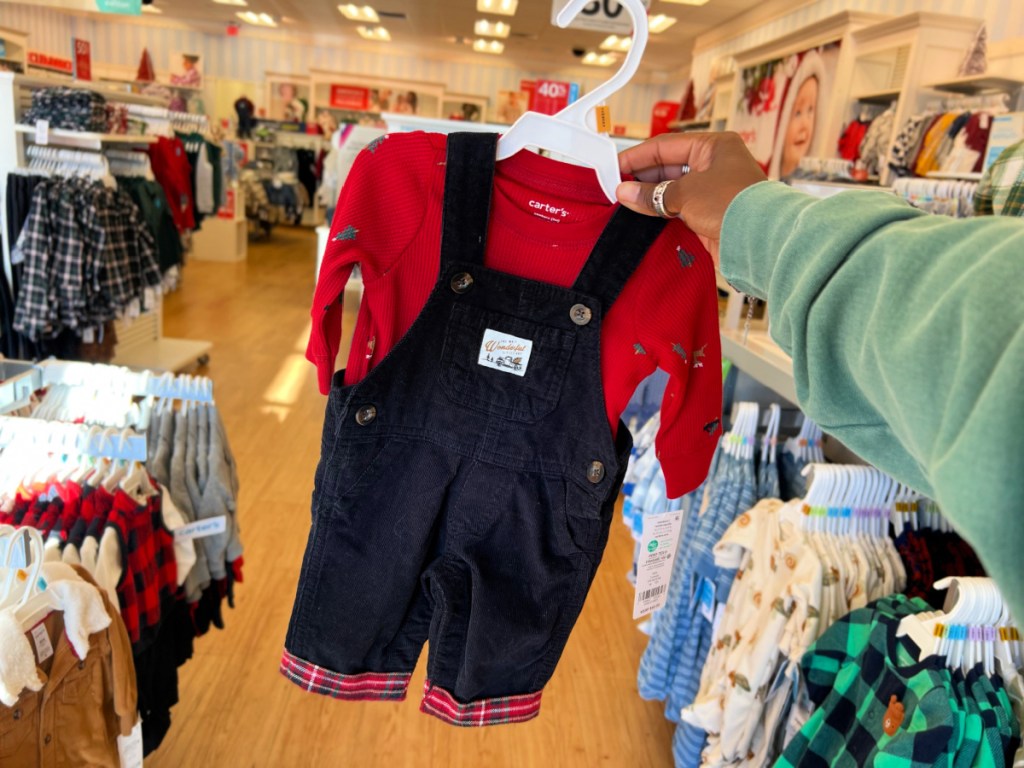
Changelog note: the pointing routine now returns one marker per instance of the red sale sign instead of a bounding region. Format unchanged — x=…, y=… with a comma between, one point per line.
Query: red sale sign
x=54, y=63
x=349, y=97
x=549, y=97
x=82, y=52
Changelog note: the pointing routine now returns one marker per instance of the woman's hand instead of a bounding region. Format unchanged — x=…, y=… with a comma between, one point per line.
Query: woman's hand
x=720, y=165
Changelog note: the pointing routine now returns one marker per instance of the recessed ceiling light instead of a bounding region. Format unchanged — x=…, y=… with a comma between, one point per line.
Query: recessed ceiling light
x=491, y=28
x=359, y=13
x=379, y=34
x=257, y=19
x=595, y=59
x=687, y=2
x=151, y=9
x=615, y=43
x=501, y=7
x=230, y=2
x=660, y=23
x=488, y=46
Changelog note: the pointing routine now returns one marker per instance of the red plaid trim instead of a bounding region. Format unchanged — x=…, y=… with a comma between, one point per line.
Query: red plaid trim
x=368, y=686
x=507, y=709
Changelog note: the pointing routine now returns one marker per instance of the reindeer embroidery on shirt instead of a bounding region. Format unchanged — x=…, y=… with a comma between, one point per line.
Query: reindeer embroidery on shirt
x=348, y=233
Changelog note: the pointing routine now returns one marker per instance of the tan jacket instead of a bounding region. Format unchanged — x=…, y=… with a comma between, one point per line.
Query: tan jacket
x=74, y=721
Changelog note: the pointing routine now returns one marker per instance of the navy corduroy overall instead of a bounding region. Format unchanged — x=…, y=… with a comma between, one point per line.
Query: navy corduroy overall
x=466, y=485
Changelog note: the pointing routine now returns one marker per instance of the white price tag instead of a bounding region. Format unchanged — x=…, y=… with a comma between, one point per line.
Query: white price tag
x=200, y=529
x=599, y=15
x=654, y=564
x=148, y=299
x=42, y=132
x=130, y=748
x=44, y=649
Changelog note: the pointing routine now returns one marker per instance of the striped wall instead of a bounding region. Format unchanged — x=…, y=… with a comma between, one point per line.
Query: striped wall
x=1005, y=19
x=247, y=57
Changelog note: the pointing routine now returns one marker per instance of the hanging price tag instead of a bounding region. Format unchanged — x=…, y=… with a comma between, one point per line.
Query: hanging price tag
x=130, y=749
x=44, y=649
x=654, y=563
x=42, y=132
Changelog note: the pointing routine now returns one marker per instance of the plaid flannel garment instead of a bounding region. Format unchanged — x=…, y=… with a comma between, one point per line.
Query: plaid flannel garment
x=852, y=673
x=368, y=686
x=498, y=711
x=1001, y=189
x=35, y=309
x=142, y=578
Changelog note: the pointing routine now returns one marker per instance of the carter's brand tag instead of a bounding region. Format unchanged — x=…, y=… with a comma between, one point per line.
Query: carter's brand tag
x=505, y=352
x=44, y=649
x=654, y=563
x=200, y=529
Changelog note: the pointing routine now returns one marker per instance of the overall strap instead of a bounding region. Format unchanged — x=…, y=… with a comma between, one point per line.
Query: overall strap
x=468, y=187
x=621, y=247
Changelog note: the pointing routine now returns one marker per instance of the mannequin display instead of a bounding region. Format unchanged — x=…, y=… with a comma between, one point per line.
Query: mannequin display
x=246, y=111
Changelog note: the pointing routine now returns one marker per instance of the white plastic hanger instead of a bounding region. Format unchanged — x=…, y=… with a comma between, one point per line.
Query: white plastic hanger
x=572, y=132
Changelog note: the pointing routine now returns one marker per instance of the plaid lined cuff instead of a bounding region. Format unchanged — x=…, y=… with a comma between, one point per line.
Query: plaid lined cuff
x=507, y=709
x=368, y=686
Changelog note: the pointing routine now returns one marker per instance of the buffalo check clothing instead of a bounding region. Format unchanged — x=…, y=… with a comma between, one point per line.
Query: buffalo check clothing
x=1001, y=189
x=545, y=218
x=855, y=674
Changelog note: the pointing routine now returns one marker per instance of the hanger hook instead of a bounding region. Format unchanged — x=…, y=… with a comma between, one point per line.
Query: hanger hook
x=579, y=109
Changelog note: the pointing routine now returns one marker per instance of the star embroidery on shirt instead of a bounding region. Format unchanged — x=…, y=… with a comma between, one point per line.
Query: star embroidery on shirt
x=348, y=233
x=374, y=145
x=639, y=349
x=685, y=257
x=698, y=355
x=678, y=349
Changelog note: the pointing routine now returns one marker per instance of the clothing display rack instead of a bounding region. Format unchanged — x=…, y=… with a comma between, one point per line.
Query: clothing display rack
x=141, y=341
x=95, y=472
x=763, y=593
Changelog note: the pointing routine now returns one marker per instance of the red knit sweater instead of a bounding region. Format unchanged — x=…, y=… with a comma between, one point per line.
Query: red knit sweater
x=546, y=217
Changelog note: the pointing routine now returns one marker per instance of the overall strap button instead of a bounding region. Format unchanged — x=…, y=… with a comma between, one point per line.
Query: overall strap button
x=595, y=472
x=462, y=282
x=580, y=314
x=365, y=415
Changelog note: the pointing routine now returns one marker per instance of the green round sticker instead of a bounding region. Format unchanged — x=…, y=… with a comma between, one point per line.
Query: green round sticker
x=652, y=546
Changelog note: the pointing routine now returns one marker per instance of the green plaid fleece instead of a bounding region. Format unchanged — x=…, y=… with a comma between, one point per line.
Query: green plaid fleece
x=851, y=673
x=1001, y=189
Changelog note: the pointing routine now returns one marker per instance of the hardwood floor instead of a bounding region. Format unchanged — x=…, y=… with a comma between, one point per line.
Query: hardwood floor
x=236, y=710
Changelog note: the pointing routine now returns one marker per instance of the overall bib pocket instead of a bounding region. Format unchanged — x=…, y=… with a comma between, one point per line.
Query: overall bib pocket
x=503, y=365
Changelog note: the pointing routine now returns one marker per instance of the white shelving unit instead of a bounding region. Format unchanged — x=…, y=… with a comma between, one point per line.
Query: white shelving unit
x=141, y=343
x=978, y=84
x=58, y=137
x=761, y=359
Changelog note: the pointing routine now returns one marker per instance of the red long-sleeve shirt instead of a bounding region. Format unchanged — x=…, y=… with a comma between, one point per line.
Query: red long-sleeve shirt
x=546, y=217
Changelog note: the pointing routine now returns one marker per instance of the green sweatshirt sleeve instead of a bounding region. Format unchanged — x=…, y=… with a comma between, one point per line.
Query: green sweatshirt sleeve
x=907, y=337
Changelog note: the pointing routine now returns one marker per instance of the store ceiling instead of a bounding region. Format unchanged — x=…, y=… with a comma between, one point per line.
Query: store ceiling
x=443, y=23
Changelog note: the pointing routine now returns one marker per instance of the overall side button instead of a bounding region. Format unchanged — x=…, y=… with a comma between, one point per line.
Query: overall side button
x=366, y=414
